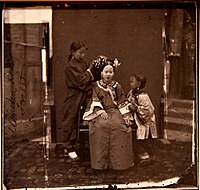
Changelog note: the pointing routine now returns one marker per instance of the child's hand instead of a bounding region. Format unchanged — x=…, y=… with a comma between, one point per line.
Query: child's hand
x=104, y=115
x=132, y=107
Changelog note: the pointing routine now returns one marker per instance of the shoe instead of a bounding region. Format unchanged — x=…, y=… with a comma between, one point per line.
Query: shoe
x=143, y=162
x=143, y=159
x=65, y=154
x=133, y=164
x=143, y=156
x=148, y=160
x=73, y=156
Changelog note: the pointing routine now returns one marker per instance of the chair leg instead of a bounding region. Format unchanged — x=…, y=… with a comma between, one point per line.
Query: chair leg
x=84, y=146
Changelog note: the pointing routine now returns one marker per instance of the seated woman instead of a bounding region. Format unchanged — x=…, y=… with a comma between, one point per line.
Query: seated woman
x=108, y=116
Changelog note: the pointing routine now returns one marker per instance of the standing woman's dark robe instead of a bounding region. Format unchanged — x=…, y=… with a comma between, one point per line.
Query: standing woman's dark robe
x=78, y=86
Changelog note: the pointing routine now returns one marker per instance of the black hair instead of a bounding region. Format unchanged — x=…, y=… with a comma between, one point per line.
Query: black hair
x=108, y=62
x=140, y=78
x=75, y=45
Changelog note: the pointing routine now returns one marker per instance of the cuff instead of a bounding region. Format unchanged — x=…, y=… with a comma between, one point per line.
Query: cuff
x=90, y=74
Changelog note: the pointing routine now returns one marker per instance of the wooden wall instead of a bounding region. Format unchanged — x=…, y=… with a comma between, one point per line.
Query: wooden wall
x=23, y=88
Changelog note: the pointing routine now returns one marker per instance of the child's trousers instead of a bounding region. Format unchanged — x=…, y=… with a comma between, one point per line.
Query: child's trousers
x=142, y=149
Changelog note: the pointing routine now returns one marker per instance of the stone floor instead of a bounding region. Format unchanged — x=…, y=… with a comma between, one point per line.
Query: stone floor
x=26, y=167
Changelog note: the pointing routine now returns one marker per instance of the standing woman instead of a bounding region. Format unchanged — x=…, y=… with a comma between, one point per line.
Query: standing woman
x=78, y=79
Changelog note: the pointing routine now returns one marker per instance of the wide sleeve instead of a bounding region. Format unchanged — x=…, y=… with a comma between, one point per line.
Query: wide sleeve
x=145, y=107
x=94, y=107
x=123, y=104
x=76, y=77
x=129, y=96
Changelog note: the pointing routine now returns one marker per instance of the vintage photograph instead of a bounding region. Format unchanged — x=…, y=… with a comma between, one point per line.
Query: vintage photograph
x=99, y=95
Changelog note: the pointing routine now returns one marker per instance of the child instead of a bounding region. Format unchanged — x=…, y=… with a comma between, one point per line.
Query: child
x=110, y=138
x=143, y=112
x=78, y=79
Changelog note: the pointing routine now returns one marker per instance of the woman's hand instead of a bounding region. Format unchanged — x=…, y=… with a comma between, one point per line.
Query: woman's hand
x=127, y=120
x=91, y=65
x=104, y=115
x=85, y=123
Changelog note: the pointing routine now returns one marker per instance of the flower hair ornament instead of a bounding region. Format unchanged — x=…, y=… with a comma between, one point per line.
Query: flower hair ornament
x=102, y=61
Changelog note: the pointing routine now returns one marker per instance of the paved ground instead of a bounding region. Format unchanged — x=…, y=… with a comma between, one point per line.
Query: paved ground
x=25, y=166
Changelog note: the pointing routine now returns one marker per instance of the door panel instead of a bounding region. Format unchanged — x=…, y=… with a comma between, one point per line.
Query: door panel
x=22, y=79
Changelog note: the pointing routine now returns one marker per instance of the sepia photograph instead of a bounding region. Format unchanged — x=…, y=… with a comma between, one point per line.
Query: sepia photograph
x=100, y=94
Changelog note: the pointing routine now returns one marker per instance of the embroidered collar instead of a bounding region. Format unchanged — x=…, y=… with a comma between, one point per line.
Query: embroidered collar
x=137, y=92
x=104, y=85
x=110, y=88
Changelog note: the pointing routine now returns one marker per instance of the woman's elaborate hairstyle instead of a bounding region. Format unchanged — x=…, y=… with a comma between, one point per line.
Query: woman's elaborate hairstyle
x=75, y=45
x=140, y=78
x=100, y=62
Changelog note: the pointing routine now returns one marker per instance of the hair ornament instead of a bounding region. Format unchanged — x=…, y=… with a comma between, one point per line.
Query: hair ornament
x=116, y=63
x=102, y=61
